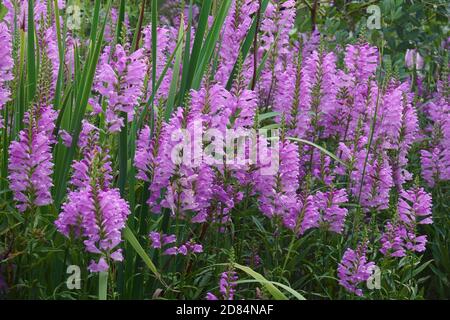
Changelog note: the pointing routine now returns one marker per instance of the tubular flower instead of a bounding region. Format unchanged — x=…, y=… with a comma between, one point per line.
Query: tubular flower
x=331, y=214
x=143, y=157
x=414, y=208
x=120, y=80
x=158, y=240
x=167, y=40
x=397, y=240
x=94, y=211
x=354, y=269
x=6, y=65
x=277, y=192
x=361, y=61
x=408, y=133
x=227, y=286
x=235, y=29
x=30, y=160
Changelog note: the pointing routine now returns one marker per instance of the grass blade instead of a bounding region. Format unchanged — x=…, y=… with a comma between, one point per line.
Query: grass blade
x=154, y=9
x=321, y=149
x=86, y=83
x=245, y=47
x=31, y=56
x=175, y=75
x=274, y=291
x=296, y=294
x=131, y=238
x=210, y=43
x=197, y=46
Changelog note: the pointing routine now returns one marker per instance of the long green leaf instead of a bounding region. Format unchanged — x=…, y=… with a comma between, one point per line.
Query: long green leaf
x=186, y=56
x=131, y=238
x=274, y=291
x=31, y=55
x=175, y=75
x=102, y=285
x=296, y=294
x=321, y=149
x=267, y=115
x=123, y=145
x=86, y=83
x=154, y=9
x=197, y=46
x=245, y=47
x=210, y=43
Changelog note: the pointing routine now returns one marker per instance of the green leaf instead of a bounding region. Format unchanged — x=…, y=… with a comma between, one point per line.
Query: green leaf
x=245, y=47
x=321, y=149
x=31, y=55
x=274, y=291
x=197, y=45
x=154, y=10
x=296, y=294
x=175, y=76
x=3, y=11
x=82, y=95
x=267, y=115
x=102, y=285
x=210, y=44
x=131, y=238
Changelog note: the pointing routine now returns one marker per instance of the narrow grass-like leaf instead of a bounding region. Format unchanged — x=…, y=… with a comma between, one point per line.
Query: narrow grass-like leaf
x=131, y=238
x=3, y=11
x=186, y=57
x=321, y=149
x=210, y=43
x=158, y=84
x=267, y=115
x=59, y=80
x=247, y=43
x=123, y=145
x=197, y=46
x=31, y=55
x=296, y=294
x=175, y=75
x=138, y=30
x=154, y=10
x=86, y=84
x=274, y=291
x=262, y=64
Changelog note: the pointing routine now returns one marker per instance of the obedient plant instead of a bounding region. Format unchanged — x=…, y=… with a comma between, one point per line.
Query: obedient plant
x=30, y=160
x=217, y=150
x=94, y=210
x=6, y=65
x=119, y=80
x=354, y=269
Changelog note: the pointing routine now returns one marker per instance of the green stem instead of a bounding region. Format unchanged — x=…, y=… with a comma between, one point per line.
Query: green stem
x=288, y=254
x=102, y=285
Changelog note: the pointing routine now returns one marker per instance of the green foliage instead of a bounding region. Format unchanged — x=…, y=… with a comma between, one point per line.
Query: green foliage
x=34, y=257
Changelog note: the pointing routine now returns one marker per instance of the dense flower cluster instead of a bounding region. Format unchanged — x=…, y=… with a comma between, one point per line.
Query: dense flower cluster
x=435, y=159
x=119, y=79
x=414, y=208
x=328, y=137
x=94, y=211
x=31, y=160
x=6, y=65
x=159, y=240
x=227, y=286
x=355, y=269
